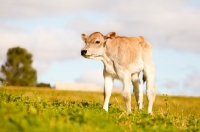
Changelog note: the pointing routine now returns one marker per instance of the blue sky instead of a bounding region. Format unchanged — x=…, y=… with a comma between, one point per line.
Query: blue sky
x=51, y=32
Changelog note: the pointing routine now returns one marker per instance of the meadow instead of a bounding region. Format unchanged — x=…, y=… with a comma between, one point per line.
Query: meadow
x=24, y=109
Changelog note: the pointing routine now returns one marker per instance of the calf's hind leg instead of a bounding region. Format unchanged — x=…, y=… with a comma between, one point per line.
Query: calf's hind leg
x=126, y=91
x=149, y=74
x=138, y=90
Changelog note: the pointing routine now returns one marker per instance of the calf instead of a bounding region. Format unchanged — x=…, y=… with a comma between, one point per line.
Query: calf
x=123, y=58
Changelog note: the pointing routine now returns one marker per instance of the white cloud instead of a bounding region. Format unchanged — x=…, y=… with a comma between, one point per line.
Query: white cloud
x=82, y=25
x=193, y=82
x=190, y=86
x=37, y=8
x=171, y=24
x=95, y=77
x=47, y=44
x=55, y=44
x=171, y=84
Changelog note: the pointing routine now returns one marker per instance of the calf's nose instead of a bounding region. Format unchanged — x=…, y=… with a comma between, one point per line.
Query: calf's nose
x=83, y=52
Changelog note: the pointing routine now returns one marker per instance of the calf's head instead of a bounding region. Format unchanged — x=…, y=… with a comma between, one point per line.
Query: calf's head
x=95, y=44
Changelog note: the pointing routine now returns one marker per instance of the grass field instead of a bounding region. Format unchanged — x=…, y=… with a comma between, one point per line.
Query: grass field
x=47, y=110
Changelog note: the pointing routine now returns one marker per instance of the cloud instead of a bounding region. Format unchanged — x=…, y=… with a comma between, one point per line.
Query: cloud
x=192, y=81
x=104, y=25
x=171, y=84
x=190, y=86
x=95, y=77
x=47, y=44
x=169, y=24
x=185, y=84
x=37, y=8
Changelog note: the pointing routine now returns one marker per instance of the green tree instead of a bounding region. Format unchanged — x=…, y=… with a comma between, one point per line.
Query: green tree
x=18, y=70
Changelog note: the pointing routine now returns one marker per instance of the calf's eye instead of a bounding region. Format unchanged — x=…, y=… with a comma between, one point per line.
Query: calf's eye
x=97, y=42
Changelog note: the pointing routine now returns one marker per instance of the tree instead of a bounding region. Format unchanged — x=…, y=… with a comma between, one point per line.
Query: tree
x=18, y=70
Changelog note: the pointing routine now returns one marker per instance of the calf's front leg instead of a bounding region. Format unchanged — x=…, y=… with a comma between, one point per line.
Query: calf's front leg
x=108, y=84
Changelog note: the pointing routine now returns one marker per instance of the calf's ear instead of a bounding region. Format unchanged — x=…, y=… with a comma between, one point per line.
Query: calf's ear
x=110, y=35
x=84, y=37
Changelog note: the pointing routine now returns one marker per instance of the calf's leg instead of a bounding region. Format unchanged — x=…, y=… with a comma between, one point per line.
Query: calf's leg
x=138, y=91
x=149, y=73
x=108, y=84
x=126, y=92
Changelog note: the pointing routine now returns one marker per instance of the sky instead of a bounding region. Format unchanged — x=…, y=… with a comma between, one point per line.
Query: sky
x=50, y=30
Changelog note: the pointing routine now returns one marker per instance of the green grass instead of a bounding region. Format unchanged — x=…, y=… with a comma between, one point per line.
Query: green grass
x=47, y=110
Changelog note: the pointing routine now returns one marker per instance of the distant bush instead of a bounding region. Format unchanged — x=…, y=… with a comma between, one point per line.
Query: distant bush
x=44, y=85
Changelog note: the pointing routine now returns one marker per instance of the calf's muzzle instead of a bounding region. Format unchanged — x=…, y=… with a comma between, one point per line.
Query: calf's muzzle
x=83, y=52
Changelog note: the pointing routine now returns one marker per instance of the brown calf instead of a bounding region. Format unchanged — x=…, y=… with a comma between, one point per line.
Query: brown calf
x=124, y=58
